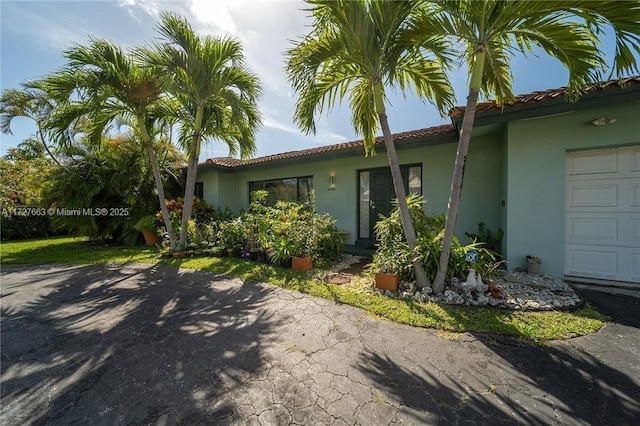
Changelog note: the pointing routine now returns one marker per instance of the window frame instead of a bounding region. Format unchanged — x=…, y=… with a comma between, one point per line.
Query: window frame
x=263, y=182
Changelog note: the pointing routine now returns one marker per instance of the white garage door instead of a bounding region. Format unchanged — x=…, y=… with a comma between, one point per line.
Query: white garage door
x=603, y=214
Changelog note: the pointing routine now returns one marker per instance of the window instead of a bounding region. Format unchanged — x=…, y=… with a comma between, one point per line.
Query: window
x=414, y=180
x=199, y=190
x=289, y=189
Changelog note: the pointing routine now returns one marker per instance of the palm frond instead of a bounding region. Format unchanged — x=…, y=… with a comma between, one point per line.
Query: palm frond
x=355, y=44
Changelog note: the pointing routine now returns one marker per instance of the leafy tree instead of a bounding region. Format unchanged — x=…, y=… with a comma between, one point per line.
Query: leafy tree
x=100, y=84
x=24, y=170
x=215, y=95
x=489, y=32
x=356, y=50
x=112, y=175
x=33, y=102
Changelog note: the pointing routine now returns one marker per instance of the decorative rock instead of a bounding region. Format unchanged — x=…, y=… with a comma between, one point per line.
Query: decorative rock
x=388, y=293
x=427, y=290
x=482, y=299
x=470, y=282
x=455, y=283
x=494, y=302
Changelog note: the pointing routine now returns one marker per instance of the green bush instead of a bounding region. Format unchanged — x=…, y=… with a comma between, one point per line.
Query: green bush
x=24, y=227
x=393, y=251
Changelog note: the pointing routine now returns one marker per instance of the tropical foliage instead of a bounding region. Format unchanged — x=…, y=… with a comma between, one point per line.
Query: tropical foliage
x=393, y=255
x=488, y=33
x=100, y=86
x=357, y=50
x=25, y=169
x=112, y=185
x=31, y=101
x=215, y=95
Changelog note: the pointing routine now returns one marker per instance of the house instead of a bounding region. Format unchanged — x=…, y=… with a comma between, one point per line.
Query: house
x=561, y=179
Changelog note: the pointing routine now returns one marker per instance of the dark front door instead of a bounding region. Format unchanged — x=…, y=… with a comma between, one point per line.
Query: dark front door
x=376, y=192
x=382, y=193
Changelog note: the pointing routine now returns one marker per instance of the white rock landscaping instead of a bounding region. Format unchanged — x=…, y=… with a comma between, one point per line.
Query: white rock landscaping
x=519, y=291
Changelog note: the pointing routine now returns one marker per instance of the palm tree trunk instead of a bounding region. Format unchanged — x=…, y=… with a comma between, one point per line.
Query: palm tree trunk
x=456, y=189
x=396, y=175
x=39, y=133
x=190, y=184
x=159, y=187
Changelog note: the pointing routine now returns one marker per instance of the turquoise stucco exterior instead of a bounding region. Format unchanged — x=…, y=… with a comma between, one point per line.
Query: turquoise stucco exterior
x=481, y=197
x=514, y=178
x=535, y=172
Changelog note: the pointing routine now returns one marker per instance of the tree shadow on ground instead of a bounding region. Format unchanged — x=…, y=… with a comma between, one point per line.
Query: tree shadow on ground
x=571, y=382
x=123, y=344
x=430, y=396
x=496, y=380
x=580, y=385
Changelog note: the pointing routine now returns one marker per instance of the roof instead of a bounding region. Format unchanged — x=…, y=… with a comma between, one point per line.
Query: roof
x=545, y=95
x=412, y=135
x=231, y=163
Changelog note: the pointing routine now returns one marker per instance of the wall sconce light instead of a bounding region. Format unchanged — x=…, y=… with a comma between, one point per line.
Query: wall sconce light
x=332, y=182
x=603, y=121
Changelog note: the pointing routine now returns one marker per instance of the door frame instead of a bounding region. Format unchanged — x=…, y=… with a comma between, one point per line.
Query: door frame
x=404, y=168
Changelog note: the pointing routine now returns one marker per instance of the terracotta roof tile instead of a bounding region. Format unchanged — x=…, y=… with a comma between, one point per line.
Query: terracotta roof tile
x=544, y=95
x=526, y=99
x=230, y=163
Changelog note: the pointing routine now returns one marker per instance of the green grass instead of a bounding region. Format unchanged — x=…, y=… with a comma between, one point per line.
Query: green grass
x=527, y=326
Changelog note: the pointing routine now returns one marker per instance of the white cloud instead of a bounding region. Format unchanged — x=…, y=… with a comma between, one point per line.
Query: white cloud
x=326, y=137
x=273, y=124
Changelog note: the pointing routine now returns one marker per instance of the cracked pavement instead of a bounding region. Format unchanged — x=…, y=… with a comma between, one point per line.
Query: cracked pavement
x=141, y=344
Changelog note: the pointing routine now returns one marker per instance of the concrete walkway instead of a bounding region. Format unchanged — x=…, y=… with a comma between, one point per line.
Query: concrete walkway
x=153, y=345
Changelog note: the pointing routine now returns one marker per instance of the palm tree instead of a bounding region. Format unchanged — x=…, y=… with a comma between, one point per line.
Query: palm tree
x=31, y=102
x=357, y=49
x=491, y=31
x=109, y=84
x=216, y=95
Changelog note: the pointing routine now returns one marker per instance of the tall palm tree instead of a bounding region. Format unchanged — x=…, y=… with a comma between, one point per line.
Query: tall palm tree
x=31, y=101
x=491, y=31
x=100, y=84
x=358, y=49
x=216, y=95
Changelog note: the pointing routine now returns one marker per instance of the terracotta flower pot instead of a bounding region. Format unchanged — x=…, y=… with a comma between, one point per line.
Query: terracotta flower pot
x=151, y=238
x=301, y=264
x=387, y=281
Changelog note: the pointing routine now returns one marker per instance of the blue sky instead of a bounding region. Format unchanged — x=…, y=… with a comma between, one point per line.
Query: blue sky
x=35, y=33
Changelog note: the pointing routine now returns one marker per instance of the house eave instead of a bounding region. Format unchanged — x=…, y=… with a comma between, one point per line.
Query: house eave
x=553, y=106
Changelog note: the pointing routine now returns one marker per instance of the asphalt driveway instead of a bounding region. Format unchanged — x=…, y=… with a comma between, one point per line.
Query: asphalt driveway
x=155, y=345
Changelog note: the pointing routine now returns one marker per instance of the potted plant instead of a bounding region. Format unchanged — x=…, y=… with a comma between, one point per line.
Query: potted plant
x=387, y=264
x=301, y=259
x=303, y=232
x=281, y=250
x=148, y=225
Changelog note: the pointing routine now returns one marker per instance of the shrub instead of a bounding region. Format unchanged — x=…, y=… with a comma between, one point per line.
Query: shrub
x=393, y=251
x=22, y=227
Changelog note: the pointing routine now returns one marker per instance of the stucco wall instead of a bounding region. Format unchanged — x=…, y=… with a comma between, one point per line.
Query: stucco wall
x=535, y=165
x=209, y=178
x=480, y=198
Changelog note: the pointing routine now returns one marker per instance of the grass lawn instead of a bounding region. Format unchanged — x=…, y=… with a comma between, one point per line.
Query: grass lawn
x=527, y=326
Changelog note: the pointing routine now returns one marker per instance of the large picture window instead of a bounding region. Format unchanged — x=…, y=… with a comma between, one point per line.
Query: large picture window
x=288, y=189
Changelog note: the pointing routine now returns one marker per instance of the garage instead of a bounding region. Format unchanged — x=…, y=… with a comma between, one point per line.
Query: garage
x=602, y=233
